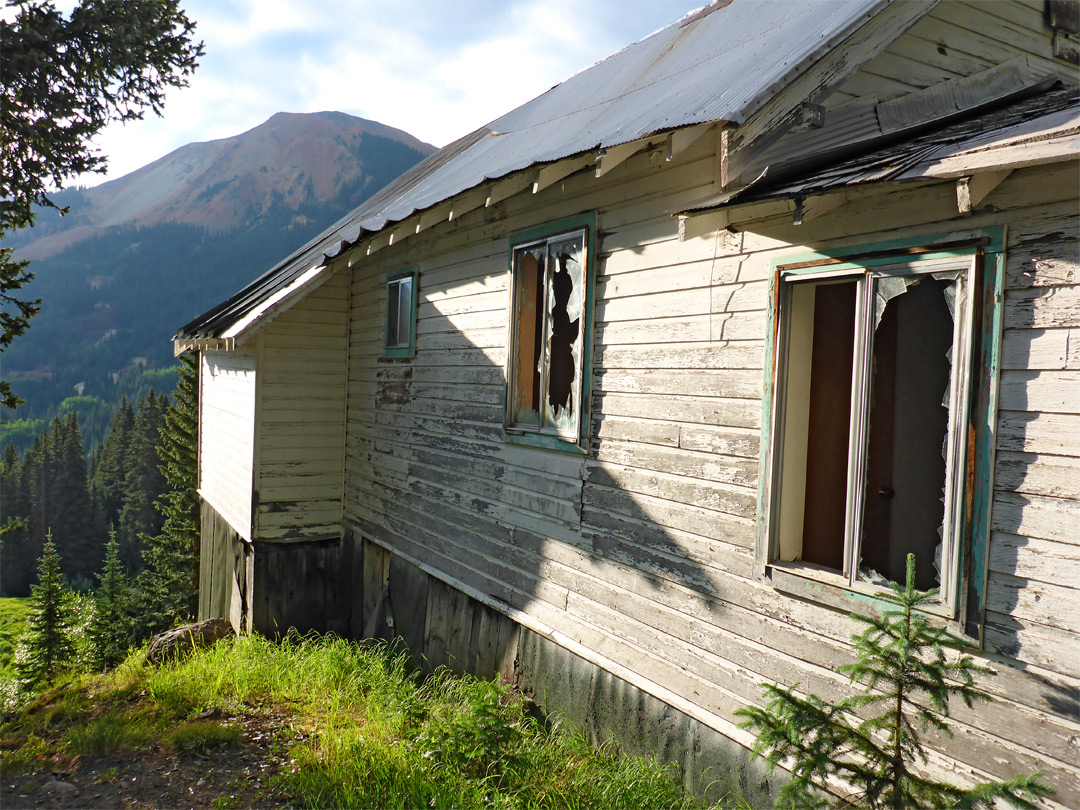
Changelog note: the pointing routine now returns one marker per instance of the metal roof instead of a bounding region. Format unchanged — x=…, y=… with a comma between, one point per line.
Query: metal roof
x=1042, y=128
x=721, y=63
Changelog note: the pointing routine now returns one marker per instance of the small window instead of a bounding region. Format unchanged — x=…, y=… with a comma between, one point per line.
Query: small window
x=546, y=385
x=401, y=315
x=871, y=433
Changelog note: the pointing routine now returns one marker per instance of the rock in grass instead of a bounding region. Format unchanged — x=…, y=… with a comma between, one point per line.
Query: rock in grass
x=181, y=640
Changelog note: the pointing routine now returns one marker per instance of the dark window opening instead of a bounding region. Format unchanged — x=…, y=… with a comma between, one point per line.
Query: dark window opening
x=546, y=356
x=869, y=388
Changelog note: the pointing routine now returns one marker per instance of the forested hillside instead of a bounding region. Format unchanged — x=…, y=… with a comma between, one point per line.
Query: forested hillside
x=122, y=271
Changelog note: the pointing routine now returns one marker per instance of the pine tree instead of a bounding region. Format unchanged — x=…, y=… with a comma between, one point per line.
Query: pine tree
x=71, y=515
x=143, y=481
x=110, y=629
x=905, y=675
x=169, y=587
x=46, y=647
x=108, y=479
x=15, y=572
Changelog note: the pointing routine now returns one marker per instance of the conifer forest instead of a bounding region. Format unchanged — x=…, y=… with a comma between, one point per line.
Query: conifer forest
x=121, y=518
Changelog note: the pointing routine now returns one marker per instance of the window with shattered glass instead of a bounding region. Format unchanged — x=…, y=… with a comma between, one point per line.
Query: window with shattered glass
x=548, y=335
x=870, y=427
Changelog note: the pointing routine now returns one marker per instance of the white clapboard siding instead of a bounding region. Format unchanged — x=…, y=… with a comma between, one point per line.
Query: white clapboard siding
x=643, y=550
x=302, y=405
x=227, y=434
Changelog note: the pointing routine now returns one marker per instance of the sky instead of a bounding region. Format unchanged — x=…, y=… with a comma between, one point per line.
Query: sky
x=437, y=69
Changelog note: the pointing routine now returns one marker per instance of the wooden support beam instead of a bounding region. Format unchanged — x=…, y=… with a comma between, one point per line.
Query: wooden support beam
x=970, y=191
x=698, y=224
x=433, y=216
x=692, y=226
x=508, y=187
x=378, y=241
x=549, y=175
x=614, y=155
x=467, y=202
x=723, y=160
x=682, y=139
x=402, y=230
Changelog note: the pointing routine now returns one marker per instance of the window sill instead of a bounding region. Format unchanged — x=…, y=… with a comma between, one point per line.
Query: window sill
x=542, y=440
x=816, y=584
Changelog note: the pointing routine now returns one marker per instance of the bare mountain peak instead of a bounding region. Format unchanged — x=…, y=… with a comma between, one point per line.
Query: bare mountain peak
x=289, y=160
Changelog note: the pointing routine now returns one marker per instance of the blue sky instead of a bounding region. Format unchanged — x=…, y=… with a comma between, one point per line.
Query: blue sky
x=435, y=68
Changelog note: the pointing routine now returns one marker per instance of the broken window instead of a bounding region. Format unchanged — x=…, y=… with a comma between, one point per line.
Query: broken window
x=401, y=315
x=548, y=333
x=871, y=402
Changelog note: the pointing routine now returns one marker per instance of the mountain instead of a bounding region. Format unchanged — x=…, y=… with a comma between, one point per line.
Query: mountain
x=139, y=256
x=291, y=159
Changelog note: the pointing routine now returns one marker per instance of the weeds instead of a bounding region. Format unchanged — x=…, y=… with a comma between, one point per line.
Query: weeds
x=357, y=727
x=200, y=736
x=107, y=735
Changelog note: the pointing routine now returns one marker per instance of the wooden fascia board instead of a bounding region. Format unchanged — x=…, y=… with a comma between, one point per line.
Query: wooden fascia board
x=815, y=84
x=285, y=298
x=199, y=345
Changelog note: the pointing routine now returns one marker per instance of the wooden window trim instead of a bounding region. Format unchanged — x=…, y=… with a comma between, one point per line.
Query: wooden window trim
x=986, y=246
x=543, y=440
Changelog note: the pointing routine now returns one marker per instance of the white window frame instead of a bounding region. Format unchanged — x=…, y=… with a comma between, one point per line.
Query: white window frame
x=572, y=437
x=962, y=380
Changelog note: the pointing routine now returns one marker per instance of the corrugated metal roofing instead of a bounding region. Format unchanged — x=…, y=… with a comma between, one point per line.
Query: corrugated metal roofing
x=912, y=158
x=720, y=64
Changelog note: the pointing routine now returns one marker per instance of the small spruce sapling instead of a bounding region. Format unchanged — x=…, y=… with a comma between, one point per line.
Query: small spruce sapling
x=906, y=682
x=110, y=629
x=46, y=646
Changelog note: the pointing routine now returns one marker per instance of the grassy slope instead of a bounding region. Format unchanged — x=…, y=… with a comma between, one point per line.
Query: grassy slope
x=13, y=613
x=362, y=730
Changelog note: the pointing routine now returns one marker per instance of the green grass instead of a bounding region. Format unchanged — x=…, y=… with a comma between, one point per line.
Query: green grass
x=13, y=613
x=360, y=728
x=199, y=736
x=110, y=734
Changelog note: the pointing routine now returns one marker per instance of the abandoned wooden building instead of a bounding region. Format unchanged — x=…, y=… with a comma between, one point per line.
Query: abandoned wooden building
x=634, y=394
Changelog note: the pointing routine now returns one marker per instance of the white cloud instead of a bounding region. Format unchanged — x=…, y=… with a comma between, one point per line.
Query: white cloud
x=434, y=69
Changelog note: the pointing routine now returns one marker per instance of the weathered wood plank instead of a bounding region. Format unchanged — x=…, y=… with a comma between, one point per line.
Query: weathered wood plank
x=1041, y=349
x=741, y=355
x=727, y=383
x=1042, y=308
x=1046, y=391
x=1033, y=601
x=1036, y=516
x=736, y=470
x=698, y=410
x=1034, y=559
x=705, y=494
x=1040, y=433
x=1054, y=476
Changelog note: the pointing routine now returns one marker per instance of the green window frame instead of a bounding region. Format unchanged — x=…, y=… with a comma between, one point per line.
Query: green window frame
x=549, y=340
x=401, y=299
x=834, y=349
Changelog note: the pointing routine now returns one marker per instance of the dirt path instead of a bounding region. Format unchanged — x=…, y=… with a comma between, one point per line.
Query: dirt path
x=235, y=777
